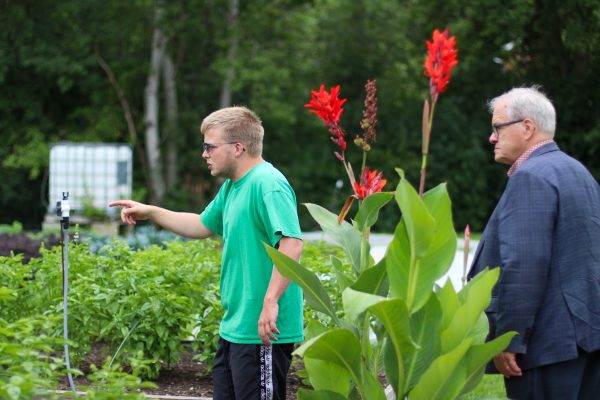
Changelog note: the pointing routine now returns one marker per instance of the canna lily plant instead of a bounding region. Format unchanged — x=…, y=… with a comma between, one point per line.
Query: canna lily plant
x=328, y=107
x=428, y=341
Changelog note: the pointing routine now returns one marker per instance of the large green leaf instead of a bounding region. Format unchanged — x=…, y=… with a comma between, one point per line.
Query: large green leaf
x=423, y=246
x=328, y=376
x=304, y=394
x=481, y=329
x=440, y=254
x=448, y=300
x=343, y=280
x=432, y=385
x=472, y=367
x=371, y=387
x=420, y=224
x=390, y=364
x=314, y=292
x=373, y=280
x=356, y=303
x=368, y=211
x=341, y=347
x=463, y=294
x=397, y=262
x=394, y=316
x=425, y=333
x=314, y=328
x=343, y=234
x=467, y=315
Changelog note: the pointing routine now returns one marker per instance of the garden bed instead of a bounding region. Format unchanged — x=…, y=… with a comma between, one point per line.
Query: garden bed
x=186, y=378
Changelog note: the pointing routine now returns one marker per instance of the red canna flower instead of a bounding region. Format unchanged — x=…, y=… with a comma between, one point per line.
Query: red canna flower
x=441, y=58
x=370, y=182
x=328, y=106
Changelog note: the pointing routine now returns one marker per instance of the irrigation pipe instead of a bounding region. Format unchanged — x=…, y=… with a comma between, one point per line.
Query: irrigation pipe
x=62, y=211
x=124, y=340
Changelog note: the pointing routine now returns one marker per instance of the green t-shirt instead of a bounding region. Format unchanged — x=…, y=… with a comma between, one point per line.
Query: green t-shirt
x=259, y=207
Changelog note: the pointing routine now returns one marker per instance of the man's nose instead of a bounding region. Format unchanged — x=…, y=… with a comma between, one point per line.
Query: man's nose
x=493, y=139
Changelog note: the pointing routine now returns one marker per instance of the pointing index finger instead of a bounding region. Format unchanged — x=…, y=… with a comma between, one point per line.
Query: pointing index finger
x=119, y=203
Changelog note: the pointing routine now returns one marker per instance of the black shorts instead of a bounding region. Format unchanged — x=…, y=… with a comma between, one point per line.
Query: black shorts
x=250, y=371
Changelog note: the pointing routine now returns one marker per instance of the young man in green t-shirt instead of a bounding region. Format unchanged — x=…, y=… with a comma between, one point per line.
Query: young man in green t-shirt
x=263, y=310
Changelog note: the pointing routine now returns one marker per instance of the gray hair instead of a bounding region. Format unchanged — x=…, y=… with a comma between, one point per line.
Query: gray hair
x=238, y=124
x=528, y=102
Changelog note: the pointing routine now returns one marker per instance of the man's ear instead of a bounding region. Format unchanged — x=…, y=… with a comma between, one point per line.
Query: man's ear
x=530, y=128
x=239, y=149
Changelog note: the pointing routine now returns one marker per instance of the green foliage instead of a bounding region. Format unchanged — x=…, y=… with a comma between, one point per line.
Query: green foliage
x=89, y=210
x=27, y=367
x=429, y=343
x=491, y=387
x=143, y=237
x=151, y=300
x=53, y=88
x=160, y=291
x=111, y=383
x=15, y=228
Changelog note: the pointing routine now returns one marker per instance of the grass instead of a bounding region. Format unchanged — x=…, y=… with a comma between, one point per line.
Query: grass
x=490, y=388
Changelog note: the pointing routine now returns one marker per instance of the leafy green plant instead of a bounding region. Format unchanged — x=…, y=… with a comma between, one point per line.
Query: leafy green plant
x=429, y=343
x=110, y=382
x=150, y=296
x=27, y=367
x=13, y=229
x=88, y=209
x=140, y=305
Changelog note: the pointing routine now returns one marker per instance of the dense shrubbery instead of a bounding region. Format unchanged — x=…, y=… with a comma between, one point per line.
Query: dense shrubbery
x=155, y=297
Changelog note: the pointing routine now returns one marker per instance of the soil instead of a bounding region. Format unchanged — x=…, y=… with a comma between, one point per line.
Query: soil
x=187, y=377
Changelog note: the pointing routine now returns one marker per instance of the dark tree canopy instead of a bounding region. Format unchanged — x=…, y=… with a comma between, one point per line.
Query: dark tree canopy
x=53, y=88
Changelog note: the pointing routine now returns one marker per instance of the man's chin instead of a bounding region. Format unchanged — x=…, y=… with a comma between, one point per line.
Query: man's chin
x=217, y=174
x=499, y=159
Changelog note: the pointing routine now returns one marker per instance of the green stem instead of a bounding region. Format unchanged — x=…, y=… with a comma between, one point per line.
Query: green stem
x=426, y=152
x=431, y=115
x=364, y=162
x=412, y=274
x=364, y=249
x=365, y=342
x=125, y=340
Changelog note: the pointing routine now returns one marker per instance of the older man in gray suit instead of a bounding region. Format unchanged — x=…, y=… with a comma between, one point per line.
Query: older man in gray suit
x=545, y=236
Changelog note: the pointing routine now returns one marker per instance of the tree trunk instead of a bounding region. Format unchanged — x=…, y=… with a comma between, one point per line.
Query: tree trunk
x=128, y=117
x=172, y=112
x=232, y=23
x=151, y=121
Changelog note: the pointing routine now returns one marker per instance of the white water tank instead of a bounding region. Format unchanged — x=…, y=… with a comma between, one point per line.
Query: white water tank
x=93, y=173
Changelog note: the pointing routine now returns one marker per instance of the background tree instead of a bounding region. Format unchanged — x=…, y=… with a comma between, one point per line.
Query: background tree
x=53, y=88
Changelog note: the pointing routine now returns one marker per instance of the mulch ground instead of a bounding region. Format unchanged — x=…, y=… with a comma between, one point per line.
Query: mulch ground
x=187, y=377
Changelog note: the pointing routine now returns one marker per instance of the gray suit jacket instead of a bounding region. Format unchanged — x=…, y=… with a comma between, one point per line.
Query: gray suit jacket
x=545, y=236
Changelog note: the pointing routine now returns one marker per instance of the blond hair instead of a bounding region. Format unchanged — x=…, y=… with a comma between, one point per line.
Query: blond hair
x=238, y=124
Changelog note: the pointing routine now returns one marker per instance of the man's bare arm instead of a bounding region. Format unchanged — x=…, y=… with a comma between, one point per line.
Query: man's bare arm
x=181, y=223
x=267, y=327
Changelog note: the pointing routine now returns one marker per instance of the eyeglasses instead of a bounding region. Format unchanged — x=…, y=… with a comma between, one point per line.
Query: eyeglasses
x=209, y=147
x=497, y=127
